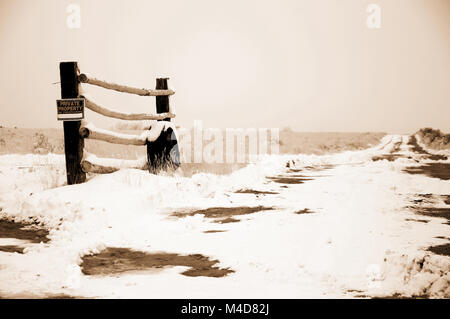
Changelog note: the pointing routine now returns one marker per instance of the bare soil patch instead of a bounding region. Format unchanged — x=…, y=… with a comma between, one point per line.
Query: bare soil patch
x=436, y=170
x=256, y=192
x=430, y=199
x=446, y=199
x=318, y=168
x=227, y=220
x=389, y=157
x=40, y=296
x=417, y=220
x=63, y=296
x=298, y=178
x=424, y=199
x=433, y=212
x=400, y=296
x=304, y=211
x=223, y=214
x=441, y=249
x=288, y=180
x=415, y=147
x=31, y=232
x=114, y=260
x=11, y=249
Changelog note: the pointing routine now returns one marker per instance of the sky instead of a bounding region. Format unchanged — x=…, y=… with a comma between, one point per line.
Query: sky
x=311, y=65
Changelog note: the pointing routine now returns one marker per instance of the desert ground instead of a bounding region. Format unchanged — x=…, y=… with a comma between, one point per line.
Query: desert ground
x=334, y=215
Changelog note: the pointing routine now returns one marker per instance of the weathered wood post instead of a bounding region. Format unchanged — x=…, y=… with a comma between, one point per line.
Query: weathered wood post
x=159, y=152
x=73, y=142
x=162, y=102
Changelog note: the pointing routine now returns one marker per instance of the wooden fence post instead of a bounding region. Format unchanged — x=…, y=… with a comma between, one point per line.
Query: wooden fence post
x=159, y=152
x=162, y=102
x=73, y=142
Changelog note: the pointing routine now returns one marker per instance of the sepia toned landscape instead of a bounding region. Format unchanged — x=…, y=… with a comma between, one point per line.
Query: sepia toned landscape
x=221, y=158
x=355, y=215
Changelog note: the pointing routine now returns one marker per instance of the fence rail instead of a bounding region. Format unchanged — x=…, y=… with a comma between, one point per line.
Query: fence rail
x=126, y=116
x=83, y=78
x=96, y=165
x=88, y=130
x=160, y=137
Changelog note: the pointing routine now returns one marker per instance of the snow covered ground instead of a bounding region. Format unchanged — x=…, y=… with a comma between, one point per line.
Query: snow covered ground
x=362, y=239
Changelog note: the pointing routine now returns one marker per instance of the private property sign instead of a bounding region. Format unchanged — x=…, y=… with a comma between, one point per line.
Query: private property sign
x=70, y=109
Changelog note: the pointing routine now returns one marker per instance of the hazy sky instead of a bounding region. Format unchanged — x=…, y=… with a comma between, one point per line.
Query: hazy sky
x=312, y=65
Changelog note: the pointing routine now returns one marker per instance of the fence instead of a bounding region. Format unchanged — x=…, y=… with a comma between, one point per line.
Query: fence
x=159, y=136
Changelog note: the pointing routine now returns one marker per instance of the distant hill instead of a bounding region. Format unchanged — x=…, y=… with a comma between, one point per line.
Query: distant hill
x=434, y=139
